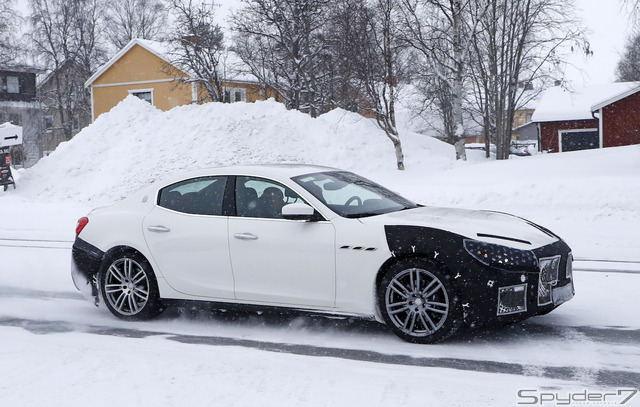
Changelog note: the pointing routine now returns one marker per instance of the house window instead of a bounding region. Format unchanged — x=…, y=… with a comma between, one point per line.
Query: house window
x=48, y=122
x=13, y=84
x=76, y=123
x=144, y=94
x=235, y=95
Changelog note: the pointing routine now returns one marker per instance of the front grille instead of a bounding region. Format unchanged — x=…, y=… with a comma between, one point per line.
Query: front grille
x=549, y=267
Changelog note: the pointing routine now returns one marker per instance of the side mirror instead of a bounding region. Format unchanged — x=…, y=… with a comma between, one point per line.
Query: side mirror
x=298, y=211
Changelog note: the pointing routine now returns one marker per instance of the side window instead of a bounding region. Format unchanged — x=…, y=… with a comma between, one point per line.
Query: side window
x=198, y=196
x=262, y=198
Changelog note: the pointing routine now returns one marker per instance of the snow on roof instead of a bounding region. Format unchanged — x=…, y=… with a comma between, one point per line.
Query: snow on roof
x=234, y=69
x=557, y=104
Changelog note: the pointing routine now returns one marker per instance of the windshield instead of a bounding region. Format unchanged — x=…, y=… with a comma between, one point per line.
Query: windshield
x=352, y=196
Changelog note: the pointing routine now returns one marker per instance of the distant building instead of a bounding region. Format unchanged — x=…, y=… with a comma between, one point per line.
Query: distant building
x=19, y=105
x=143, y=69
x=66, y=85
x=595, y=117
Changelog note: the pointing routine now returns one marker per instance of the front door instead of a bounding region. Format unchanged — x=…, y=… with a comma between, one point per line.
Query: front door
x=276, y=260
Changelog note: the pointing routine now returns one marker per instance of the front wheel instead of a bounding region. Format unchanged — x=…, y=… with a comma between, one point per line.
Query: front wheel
x=418, y=302
x=128, y=286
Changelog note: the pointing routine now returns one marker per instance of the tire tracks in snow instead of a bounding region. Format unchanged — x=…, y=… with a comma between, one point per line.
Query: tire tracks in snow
x=580, y=375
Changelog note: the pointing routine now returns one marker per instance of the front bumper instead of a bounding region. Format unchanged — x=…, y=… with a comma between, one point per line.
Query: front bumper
x=86, y=260
x=492, y=296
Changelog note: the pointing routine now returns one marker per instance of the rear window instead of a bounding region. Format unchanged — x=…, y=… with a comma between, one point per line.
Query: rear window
x=198, y=196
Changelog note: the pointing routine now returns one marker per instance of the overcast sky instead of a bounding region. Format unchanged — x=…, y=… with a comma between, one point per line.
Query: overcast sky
x=608, y=24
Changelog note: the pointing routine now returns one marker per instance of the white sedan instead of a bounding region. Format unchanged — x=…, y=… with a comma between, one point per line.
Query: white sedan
x=317, y=239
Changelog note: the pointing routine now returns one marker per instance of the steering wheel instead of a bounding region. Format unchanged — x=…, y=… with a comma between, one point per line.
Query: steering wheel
x=354, y=198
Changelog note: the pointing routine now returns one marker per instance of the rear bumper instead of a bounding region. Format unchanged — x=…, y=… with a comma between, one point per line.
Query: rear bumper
x=85, y=264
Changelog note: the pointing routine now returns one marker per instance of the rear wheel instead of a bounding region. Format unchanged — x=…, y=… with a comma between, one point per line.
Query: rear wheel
x=128, y=286
x=418, y=302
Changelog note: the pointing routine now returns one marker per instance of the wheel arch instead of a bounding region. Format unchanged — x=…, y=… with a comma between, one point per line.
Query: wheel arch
x=152, y=305
x=420, y=244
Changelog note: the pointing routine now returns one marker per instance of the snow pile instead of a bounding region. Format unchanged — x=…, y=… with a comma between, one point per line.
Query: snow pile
x=135, y=144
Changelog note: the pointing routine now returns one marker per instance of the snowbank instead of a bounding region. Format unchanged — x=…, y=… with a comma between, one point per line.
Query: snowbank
x=590, y=198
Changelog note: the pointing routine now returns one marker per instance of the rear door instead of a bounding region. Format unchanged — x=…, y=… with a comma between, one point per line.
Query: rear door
x=187, y=235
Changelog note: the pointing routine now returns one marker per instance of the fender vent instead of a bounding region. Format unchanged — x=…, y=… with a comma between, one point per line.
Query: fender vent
x=360, y=248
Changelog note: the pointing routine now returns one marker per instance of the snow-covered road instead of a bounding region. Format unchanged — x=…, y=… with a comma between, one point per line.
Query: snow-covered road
x=77, y=353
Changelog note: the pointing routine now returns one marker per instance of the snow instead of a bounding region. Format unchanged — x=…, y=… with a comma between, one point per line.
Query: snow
x=59, y=350
x=588, y=197
x=558, y=103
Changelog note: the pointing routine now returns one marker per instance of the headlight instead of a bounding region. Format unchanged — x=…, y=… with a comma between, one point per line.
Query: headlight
x=503, y=257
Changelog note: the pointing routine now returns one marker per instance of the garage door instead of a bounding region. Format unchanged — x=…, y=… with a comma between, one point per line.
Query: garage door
x=579, y=140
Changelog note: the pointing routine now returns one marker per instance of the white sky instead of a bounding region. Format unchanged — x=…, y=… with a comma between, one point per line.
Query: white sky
x=607, y=21
x=608, y=24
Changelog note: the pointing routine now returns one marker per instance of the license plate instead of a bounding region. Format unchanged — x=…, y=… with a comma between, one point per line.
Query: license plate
x=562, y=294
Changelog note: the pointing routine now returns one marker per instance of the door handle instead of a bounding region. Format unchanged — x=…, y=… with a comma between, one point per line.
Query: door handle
x=245, y=236
x=158, y=228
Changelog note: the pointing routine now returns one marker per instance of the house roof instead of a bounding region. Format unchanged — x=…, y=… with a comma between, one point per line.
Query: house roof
x=559, y=104
x=154, y=47
x=164, y=50
x=21, y=68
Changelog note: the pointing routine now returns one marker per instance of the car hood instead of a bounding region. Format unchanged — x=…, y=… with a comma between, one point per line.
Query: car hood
x=488, y=226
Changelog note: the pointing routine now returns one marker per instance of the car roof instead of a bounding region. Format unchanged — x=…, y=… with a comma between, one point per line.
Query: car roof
x=259, y=170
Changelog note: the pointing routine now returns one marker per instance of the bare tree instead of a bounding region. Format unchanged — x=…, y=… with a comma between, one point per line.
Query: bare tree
x=348, y=21
x=283, y=43
x=520, y=43
x=65, y=37
x=129, y=19
x=376, y=49
x=441, y=31
x=199, y=46
x=628, y=69
x=9, y=21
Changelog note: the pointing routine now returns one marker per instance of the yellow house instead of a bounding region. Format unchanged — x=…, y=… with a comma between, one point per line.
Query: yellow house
x=142, y=69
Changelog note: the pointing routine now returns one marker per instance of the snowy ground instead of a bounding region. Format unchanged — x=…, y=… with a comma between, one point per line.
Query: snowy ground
x=59, y=350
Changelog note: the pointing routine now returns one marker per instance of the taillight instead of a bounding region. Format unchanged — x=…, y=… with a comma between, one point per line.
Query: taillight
x=82, y=222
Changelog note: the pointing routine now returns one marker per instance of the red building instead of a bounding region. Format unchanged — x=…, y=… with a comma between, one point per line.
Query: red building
x=596, y=117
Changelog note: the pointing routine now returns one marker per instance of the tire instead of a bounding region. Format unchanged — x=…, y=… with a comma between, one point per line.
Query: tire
x=128, y=286
x=418, y=301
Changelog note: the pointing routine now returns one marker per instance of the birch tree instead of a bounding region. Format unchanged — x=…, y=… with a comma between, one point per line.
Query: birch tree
x=441, y=31
x=377, y=50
